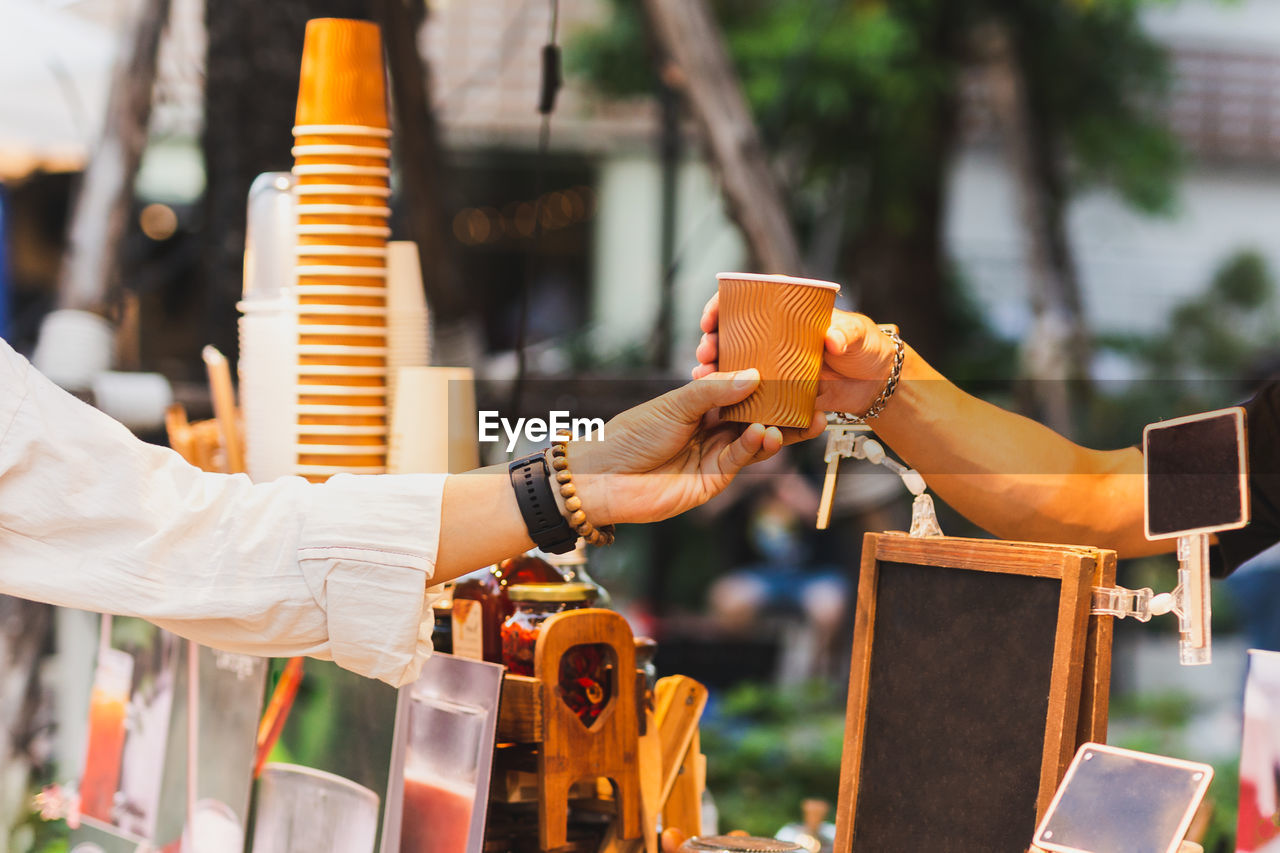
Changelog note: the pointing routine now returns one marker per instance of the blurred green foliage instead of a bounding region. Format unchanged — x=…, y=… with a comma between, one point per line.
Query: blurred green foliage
x=859, y=102
x=770, y=748
x=1217, y=346
x=1157, y=723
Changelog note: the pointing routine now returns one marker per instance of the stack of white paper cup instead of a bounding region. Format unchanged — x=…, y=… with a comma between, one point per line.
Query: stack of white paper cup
x=268, y=373
x=269, y=329
x=433, y=428
x=342, y=165
x=408, y=342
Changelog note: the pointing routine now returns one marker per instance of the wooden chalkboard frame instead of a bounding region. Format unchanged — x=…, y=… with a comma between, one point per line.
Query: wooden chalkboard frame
x=1080, y=669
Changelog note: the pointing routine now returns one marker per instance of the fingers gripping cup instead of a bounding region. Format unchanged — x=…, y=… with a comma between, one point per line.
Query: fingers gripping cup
x=776, y=324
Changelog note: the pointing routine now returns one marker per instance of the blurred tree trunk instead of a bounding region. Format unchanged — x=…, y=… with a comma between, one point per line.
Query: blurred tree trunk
x=898, y=262
x=897, y=267
x=250, y=95
x=1055, y=356
x=697, y=64
x=90, y=269
x=24, y=632
x=424, y=185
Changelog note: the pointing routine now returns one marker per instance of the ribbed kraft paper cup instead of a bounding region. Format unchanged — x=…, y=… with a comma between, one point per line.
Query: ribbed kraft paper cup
x=775, y=324
x=342, y=81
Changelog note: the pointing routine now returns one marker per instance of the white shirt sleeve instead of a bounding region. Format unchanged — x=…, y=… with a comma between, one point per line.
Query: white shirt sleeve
x=92, y=517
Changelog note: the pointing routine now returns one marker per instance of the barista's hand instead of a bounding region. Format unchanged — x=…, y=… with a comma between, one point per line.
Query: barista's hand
x=855, y=366
x=670, y=454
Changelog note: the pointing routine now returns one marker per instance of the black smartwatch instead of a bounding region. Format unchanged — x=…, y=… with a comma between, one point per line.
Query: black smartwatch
x=531, y=481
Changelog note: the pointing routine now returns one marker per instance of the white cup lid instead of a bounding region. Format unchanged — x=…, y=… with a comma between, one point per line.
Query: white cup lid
x=779, y=279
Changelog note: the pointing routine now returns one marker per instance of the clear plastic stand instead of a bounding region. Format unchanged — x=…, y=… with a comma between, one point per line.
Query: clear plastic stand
x=1189, y=601
x=924, y=520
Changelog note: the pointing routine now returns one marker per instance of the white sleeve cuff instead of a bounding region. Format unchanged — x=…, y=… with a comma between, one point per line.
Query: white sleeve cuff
x=368, y=552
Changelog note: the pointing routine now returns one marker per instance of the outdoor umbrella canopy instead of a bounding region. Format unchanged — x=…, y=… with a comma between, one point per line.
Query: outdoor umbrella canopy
x=55, y=73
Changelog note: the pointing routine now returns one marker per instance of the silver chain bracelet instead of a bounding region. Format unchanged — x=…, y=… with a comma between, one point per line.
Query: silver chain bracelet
x=878, y=404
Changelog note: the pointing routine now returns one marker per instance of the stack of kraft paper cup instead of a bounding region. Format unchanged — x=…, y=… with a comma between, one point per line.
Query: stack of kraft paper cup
x=342, y=166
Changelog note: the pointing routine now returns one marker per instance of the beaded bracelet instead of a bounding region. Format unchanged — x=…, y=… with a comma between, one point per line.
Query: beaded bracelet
x=577, y=516
x=891, y=385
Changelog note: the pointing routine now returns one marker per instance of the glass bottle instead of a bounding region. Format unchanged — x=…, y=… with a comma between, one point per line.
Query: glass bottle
x=442, y=611
x=480, y=604
x=585, y=679
x=573, y=565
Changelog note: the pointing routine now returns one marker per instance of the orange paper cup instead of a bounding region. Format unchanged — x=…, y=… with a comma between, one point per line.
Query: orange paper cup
x=342, y=422
x=329, y=162
x=776, y=324
x=343, y=80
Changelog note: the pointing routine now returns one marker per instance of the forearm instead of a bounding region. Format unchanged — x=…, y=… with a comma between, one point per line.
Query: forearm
x=480, y=523
x=1014, y=477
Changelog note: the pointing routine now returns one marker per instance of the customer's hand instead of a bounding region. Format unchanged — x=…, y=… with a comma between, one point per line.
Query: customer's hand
x=857, y=361
x=671, y=454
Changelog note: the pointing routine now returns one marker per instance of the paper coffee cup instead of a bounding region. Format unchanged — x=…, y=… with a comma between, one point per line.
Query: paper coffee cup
x=776, y=324
x=342, y=81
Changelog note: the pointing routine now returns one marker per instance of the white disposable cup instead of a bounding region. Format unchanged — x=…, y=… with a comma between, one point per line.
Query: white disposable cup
x=137, y=400
x=300, y=808
x=433, y=421
x=268, y=374
x=213, y=828
x=340, y=130
x=73, y=348
x=268, y=262
x=341, y=169
x=408, y=322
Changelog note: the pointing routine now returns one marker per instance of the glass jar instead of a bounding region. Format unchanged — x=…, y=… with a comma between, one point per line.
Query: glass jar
x=480, y=604
x=442, y=629
x=573, y=565
x=533, y=604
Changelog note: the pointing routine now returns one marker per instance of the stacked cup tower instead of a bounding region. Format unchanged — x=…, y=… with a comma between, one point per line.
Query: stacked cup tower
x=342, y=159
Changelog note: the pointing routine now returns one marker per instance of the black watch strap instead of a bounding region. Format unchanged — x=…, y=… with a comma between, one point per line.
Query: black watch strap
x=531, y=481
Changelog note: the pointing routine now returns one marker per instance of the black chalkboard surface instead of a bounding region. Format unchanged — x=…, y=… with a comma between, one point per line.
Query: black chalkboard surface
x=975, y=673
x=1197, y=474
